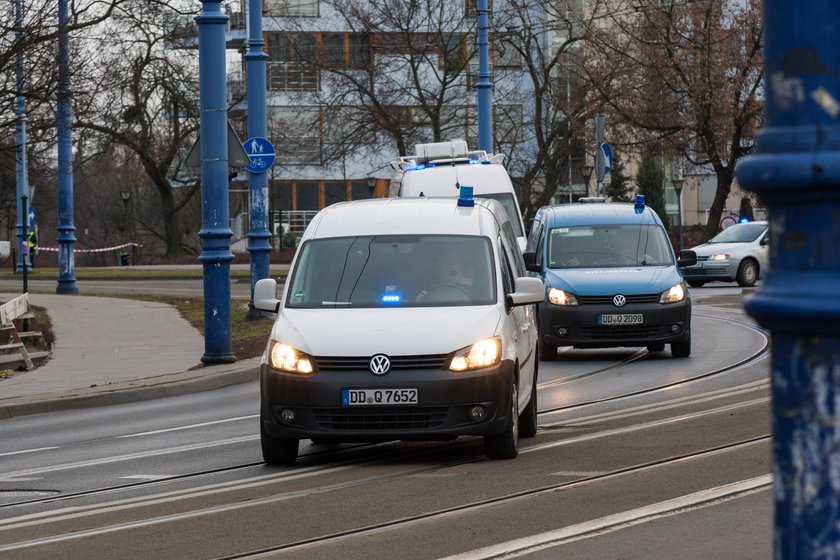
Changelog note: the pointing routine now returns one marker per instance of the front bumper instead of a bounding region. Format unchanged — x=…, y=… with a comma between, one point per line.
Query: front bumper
x=442, y=412
x=711, y=270
x=662, y=324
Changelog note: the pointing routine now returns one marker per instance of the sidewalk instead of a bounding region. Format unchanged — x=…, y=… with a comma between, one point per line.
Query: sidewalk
x=114, y=350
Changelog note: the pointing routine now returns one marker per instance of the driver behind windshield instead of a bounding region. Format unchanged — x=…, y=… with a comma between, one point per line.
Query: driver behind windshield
x=451, y=273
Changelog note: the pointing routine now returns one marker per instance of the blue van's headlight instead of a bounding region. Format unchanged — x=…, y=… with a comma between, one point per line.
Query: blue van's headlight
x=674, y=294
x=561, y=297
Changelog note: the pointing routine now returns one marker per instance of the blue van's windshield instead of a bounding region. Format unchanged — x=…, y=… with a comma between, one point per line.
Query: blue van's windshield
x=608, y=246
x=393, y=271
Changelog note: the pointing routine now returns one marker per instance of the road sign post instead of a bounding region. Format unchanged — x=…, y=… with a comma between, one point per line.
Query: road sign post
x=795, y=169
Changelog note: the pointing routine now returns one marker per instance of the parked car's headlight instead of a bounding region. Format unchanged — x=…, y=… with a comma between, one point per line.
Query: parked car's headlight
x=485, y=353
x=719, y=257
x=287, y=358
x=675, y=294
x=561, y=297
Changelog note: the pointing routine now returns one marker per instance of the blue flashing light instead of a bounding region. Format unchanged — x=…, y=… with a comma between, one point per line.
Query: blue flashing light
x=744, y=219
x=473, y=161
x=419, y=167
x=391, y=298
x=465, y=197
x=639, y=206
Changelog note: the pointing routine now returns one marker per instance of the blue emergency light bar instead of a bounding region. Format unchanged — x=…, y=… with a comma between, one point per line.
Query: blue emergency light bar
x=465, y=196
x=639, y=206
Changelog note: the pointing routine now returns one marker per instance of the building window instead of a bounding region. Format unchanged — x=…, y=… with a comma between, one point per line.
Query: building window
x=334, y=192
x=291, y=61
x=297, y=131
x=508, y=123
x=291, y=8
x=505, y=53
x=333, y=53
x=306, y=196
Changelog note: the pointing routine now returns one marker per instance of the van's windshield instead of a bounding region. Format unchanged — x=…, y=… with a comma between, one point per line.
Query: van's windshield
x=393, y=271
x=608, y=246
x=509, y=204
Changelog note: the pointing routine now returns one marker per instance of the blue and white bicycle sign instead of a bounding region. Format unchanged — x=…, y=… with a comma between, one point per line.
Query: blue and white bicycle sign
x=261, y=153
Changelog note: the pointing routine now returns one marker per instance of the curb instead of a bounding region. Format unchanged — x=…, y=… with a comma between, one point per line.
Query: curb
x=193, y=381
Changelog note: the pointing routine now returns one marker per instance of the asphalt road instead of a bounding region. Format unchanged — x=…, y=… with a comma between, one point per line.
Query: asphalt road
x=638, y=456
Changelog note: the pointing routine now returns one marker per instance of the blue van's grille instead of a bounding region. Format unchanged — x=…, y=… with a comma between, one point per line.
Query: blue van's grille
x=633, y=332
x=355, y=363
x=608, y=300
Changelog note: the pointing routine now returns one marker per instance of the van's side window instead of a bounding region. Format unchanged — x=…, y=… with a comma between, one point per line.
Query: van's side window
x=513, y=246
x=507, y=271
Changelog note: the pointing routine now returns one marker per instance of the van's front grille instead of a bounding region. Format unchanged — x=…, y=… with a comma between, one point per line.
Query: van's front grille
x=381, y=419
x=631, y=332
x=608, y=300
x=355, y=363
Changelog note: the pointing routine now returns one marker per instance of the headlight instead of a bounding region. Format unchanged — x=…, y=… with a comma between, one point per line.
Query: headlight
x=560, y=297
x=482, y=354
x=286, y=358
x=719, y=257
x=674, y=294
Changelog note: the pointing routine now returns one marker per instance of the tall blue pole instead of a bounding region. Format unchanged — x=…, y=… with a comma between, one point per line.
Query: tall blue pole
x=215, y=230
x=66, y=229
x=21, y=164
x=258, y=234
x=484, y=86
x=796, y=172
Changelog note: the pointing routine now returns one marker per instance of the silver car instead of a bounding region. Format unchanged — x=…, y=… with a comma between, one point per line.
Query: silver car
x=739, y=253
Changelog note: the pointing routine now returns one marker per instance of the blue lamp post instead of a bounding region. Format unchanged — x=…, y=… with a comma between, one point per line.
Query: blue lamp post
x=215, y=230
x=21, y=166
x=796, y=172
x=484, y=86
x=66, y=229
x=258, y=234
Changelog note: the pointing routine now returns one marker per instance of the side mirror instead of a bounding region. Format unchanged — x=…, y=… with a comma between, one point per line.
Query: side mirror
x=265, y=295
x=687, y=258
x=531, y=264
x=766, y=241
x=528, y=290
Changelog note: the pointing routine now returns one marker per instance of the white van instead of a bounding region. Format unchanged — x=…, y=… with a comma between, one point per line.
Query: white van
x=402, y=319
x=441, y=168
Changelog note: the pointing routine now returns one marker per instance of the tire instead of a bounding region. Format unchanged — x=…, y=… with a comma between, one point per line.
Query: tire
x=528, y=418
x=277, y=451
x=548, y=353
x=506, y=444
x=747, y=273
x=681, y=349
x=656, y=347
x=696, y=283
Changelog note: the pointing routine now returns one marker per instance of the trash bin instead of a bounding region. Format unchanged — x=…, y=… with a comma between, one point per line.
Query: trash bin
x=125, y=259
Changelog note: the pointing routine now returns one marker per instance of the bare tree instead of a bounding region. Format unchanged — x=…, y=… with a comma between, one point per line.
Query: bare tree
x=687, y=74
x=141, y=95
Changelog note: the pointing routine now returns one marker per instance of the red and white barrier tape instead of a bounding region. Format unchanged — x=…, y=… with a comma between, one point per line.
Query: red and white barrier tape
x=102, y=250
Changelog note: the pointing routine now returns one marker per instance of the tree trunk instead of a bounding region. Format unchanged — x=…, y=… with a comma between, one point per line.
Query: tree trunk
x=172, y=231
x=724, y=186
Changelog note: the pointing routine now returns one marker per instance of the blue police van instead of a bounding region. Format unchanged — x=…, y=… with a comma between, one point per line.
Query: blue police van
x=612, y=278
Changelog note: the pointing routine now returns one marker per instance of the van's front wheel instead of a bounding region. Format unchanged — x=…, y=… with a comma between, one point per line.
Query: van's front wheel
x=506, y=444
x=277, y=451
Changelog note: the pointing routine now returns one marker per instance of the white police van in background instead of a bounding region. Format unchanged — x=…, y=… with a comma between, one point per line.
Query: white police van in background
x=441, y=168
x=378, y=338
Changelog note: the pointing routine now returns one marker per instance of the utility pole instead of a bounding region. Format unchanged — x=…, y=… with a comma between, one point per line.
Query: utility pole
x=259, y=237
x=794, y=170
x=215, y=230
x=485, y=85
x=64, y=123
x=21, y=162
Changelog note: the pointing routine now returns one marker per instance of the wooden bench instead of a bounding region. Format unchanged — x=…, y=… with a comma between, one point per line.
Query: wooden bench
x=10, y=338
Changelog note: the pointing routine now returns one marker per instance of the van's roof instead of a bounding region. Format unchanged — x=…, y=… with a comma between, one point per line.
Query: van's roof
x=489, y=178
x=596, y=213
x=394, y=216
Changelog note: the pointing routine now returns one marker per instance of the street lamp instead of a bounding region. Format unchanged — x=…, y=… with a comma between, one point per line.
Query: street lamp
x=678, y=185
x=586, y=171
x=126, y=198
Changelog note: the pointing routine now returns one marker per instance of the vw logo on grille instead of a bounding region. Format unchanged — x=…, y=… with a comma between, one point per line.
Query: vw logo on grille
x=380, y=364
x=619, y=300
